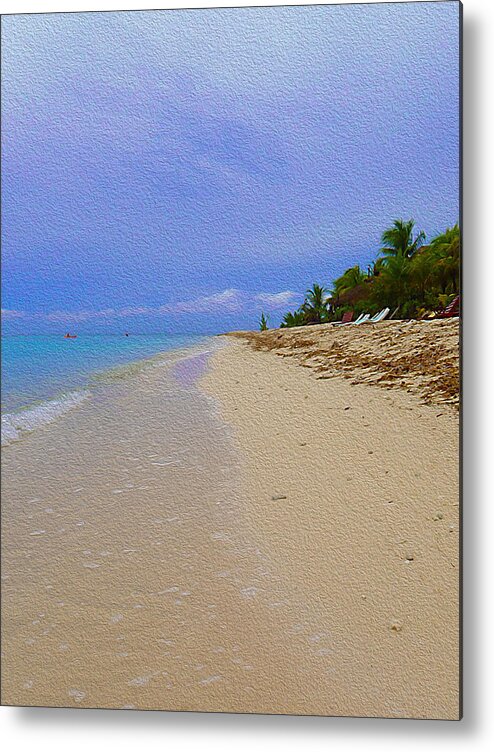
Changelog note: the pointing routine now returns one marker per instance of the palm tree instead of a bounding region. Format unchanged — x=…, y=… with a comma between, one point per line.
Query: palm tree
x=445, y=250
x=398, y=240
x=392, y=284
x=421, y=273
x=350, y=279
x=297, y=318
x=316, y=303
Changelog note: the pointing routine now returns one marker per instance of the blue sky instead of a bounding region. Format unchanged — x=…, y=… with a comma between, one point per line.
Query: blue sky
x=184, y=170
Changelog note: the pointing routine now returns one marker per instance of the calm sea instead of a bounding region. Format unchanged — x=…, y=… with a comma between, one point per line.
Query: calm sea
x=43, y=376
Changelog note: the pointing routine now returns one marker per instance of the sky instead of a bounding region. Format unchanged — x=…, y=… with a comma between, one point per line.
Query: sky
x=182, y=171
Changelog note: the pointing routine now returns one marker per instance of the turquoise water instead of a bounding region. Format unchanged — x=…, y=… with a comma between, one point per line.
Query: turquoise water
x=49, y=373
x=37, y=368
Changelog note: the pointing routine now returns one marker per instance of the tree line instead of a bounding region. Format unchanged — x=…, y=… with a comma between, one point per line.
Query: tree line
x=409, y=276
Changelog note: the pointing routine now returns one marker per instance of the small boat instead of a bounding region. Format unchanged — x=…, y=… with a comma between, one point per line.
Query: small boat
x=70, y=336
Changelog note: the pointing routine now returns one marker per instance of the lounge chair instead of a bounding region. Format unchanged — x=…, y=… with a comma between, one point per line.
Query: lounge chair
x=345, y=319
x=453, y=309
x=364, y=319
x=379, y=316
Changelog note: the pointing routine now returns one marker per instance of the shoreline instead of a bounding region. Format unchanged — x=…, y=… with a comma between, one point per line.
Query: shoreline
x=235, y=540
x=22, y=420
x=354, y=489
x=130, y=578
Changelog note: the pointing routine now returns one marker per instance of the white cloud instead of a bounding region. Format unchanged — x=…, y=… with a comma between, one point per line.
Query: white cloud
x=75, y=316
x=277, y=299
x=7, y=314
x=227, y=301
x=231, y=300
x=137, y=311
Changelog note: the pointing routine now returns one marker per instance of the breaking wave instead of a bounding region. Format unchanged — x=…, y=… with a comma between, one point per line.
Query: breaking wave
x=16, y=425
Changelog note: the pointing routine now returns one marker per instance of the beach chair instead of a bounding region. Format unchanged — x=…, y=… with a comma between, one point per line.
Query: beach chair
x=364, y=319
x=453, y=309
x=379, y=316
x=345, y=319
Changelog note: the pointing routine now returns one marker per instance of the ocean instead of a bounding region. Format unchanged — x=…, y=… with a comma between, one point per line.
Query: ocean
x=43, y=376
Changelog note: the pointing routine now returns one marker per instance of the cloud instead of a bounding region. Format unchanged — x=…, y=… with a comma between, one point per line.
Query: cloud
x=7, y=314
x=277, y=299
x=137, y=311
x=231, y=300
x=75, y=316
x=227, y=301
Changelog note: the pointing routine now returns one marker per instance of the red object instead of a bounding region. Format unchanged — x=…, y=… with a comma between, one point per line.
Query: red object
x=452, y=310
x=70, y=336
x=347, y=317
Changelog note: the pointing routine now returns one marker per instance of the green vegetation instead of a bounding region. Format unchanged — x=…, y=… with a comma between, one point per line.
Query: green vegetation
x=315, y=305
x=263, y=323
x=409, y=276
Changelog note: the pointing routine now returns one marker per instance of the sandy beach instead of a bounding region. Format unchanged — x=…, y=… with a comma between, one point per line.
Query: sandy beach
x=271, y=538
x=351, y=471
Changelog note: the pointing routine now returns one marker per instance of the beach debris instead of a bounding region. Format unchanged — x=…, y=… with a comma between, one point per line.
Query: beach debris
x=249, y=592
x=318, y=636
x=346, y=408
x=76, y=694
x=278, y=497
x=409, y=556
x=396, y=626
x=140, y=681
x=438, y=516
x=220, y=536
x=324, y=651
x=452, y=528
x=211, y=679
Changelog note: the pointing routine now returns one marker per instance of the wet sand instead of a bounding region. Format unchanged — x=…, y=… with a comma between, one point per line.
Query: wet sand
x=130, y=575
x=249, y=546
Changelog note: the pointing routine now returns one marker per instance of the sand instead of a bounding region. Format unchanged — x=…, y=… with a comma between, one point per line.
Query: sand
x=271, y=542
x=353, y=483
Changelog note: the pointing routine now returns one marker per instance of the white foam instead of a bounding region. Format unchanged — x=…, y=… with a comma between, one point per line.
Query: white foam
x=16, y=425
